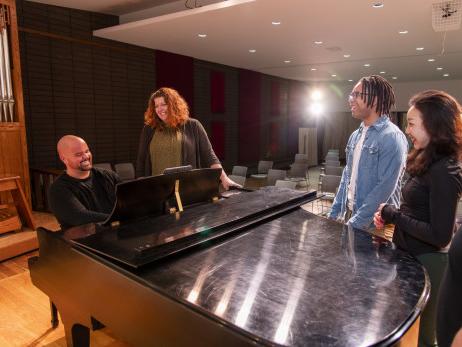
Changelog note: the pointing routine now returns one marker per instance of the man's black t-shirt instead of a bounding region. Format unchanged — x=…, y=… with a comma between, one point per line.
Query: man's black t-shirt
x=76, y=202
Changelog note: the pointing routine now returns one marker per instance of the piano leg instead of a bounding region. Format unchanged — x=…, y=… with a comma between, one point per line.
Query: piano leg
x=54, y=315
x=77, y=335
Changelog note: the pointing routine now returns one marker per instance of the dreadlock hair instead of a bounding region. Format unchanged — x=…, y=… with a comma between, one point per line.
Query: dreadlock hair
x=442, y=120
x=377, y=87
x=178, y=111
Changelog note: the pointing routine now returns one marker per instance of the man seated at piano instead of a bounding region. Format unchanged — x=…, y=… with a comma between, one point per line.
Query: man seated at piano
x=171, y=138
x=83, y=194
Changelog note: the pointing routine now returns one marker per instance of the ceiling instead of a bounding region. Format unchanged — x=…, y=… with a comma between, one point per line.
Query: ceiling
x=368, y=35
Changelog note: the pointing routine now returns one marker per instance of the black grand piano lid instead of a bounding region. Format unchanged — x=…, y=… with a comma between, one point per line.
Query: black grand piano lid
x=148, y=196
x=146, y=240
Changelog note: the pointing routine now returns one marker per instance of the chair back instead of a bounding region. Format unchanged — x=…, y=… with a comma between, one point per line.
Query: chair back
x=274, y=175
x=239, y=171
x=105, y=166
x=333, y=170
x=332, y=163
x=126, y=171
x=238, y=179
x=329, y=183
x=286, y=184
x=298, y=170
x=264, y=166
x=332, y=156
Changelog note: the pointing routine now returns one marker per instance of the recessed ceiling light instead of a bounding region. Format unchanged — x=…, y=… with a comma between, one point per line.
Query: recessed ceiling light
x=350, y=80
x=394, y=77
x=382, y=72
x=276, y=23
x=419, y=49
x=252, y=50
x=287, y=61
x=439, y=68
x=334, y=75
x=202, y=35
x=367, y=65
x=346, y=55
x=313, y=69
x=431, y=59
x=318, y=42
x=377, y=5
x=446, y=75
x=403, y=32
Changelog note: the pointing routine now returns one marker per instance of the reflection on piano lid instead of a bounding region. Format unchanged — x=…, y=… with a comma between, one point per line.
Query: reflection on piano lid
x=150, y=196
x=150, y=239
x=172, y=170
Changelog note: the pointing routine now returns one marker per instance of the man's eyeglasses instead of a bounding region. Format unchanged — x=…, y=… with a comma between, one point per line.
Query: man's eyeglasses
x=355, y=95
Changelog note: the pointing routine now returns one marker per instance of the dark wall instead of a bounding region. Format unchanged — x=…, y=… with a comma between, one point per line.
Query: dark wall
x=75, y=83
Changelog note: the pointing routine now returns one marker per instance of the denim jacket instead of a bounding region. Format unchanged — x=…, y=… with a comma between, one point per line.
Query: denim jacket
x=380, y=170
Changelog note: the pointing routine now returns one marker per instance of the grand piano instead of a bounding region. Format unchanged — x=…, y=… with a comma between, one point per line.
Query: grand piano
x=178, y=265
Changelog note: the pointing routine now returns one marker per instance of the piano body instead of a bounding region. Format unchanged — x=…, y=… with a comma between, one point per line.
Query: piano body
x=251, y=269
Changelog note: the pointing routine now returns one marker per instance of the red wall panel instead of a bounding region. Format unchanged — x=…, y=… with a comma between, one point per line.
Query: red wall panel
x=177, y=72
x=249, y=116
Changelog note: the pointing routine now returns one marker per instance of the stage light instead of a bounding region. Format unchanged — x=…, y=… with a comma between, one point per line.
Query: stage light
x=316, y=109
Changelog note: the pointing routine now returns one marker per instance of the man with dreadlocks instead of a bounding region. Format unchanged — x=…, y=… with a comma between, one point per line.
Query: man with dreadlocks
x=376, y=155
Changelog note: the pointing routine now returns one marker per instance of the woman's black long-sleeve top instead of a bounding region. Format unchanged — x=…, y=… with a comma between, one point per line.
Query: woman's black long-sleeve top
x=425, y=220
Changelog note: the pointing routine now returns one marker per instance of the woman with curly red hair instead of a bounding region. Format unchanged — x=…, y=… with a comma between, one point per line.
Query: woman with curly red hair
x=425, y=221
x=171, y=138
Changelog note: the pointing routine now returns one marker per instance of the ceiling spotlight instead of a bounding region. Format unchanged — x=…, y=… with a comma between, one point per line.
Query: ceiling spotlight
x=287, y=61
x=419, y=49
x=202, y=35
x=313, y=69
x=346, y=55
x=382, y=72
x=318, y=42
x=276, y=23
x=334, y=75
x=403, y=32
x=350, y=80
x=367, y=65
x=446, y=75
x=252, y=50
x=439, y=68
x=377, y=5
x=431, y=59
x=394, y=77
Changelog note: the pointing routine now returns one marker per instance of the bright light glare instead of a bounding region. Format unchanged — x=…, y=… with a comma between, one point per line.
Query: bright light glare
x=316, y=108
x=316, y=95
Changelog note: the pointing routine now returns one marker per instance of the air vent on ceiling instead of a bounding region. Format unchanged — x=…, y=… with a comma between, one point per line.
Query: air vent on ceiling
x=447, y=15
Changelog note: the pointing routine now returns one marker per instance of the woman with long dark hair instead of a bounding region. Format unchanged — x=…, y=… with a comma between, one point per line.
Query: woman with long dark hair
x=425, y=221
x=171, y=138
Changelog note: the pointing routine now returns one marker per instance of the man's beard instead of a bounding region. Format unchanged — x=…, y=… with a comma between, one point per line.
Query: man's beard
x=84, y=167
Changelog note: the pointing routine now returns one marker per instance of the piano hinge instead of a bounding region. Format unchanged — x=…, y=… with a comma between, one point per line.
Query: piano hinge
x=177, y=196
x=115, y=224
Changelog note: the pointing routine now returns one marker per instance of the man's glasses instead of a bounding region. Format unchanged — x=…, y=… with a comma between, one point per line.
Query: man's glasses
x=354, y=95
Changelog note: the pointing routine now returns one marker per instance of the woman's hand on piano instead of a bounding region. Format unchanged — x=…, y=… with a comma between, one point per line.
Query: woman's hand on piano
x=226, y=182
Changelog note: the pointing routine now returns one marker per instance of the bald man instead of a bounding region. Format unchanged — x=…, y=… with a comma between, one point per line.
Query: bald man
x=83, y=194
